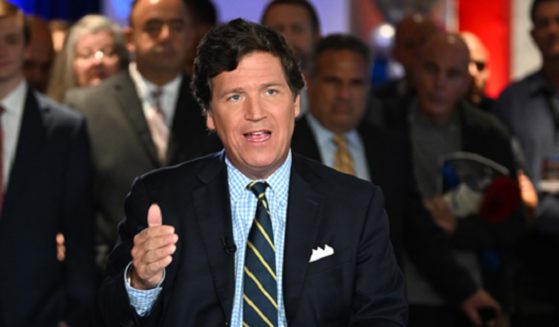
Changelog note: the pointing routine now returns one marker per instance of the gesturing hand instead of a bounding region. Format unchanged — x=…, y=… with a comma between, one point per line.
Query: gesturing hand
x=152, y=251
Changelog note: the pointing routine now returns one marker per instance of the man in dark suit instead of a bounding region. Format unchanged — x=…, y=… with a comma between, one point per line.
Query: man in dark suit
x=144, y=118
x=190, y=252
x=44, y=190
x=338, y=90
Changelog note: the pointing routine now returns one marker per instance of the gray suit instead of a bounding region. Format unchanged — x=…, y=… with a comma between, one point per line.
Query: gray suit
x=122, y=148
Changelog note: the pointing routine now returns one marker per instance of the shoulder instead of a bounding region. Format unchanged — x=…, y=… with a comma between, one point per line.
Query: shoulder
x=520, y=88
x=329, y=181
x=58, y=113
x=190, y=173
x=91, y=96
x=483, y=121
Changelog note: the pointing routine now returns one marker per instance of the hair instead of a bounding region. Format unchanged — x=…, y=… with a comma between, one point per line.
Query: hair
x=63, y=76
x=222, y=49
x=534, y=6
x=7, y=10
x=315, y=22
x=338, y=42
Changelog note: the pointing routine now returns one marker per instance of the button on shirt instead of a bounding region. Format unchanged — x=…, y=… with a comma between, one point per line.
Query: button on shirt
x=243, y=207
x=327, y=148
x=13, y=105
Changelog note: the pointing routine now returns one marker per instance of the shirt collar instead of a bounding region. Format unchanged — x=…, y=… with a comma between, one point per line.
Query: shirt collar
x=278, y=182
x=325, y=136
x=14, y=102
x=145, y=88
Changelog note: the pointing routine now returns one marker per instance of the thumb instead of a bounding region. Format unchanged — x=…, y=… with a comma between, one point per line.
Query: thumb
x=154, y=216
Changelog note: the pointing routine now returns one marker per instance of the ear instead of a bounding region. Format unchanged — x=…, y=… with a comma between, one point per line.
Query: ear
x=297, y=105
x=129, y=38
x=210, y=120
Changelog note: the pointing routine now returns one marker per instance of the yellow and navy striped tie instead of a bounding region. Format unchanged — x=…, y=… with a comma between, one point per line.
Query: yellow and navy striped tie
x=343, y=161
x=260, y=307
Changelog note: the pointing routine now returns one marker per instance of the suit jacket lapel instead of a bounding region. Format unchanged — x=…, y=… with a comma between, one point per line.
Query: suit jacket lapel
x=214, y=219
x=302, y=227
x=131, y=106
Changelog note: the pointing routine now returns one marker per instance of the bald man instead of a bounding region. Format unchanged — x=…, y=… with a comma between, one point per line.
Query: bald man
x=438, y=123
x=411, y=33
x=479, y=70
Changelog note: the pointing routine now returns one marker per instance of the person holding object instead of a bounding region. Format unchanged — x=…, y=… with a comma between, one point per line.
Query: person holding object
x=253, y=235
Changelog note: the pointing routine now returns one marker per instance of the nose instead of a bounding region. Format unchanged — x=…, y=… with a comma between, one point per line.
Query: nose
x=344, y=91
x=165, y=32
x=254, y=110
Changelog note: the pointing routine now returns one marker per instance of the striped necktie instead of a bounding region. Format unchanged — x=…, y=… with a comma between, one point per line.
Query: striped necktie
x=260, y=306
x=342, y=160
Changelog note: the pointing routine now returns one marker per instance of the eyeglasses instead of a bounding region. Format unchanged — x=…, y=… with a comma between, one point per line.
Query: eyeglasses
x=96, y=54
x=480, y=65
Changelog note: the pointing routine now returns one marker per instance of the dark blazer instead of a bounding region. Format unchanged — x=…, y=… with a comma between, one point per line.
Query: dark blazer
x=360, y=285
x=411, y=228
x=48, y=192
x=122, y=147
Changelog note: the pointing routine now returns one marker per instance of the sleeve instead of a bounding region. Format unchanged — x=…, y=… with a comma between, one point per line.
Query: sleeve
x=141, y=300
x=114, y=306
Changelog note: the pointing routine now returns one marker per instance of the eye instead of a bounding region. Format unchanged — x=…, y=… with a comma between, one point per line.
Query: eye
x=233, y=98
x=271, y=91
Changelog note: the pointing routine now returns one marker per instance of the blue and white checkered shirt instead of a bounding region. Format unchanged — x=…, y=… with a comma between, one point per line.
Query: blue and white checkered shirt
x=243, y=207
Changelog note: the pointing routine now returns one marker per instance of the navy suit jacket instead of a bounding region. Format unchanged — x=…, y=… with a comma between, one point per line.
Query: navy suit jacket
x=412, y=230
x=360, y=285
x=48, y=192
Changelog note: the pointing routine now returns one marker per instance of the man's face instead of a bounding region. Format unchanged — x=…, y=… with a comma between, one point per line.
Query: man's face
x=338, y=89
x=295, y=24
x=157, y=37
x=38, y=64
x=479, y=57
x=253, y=111
x=12, y=49
x=545, y=31
x=442, y=76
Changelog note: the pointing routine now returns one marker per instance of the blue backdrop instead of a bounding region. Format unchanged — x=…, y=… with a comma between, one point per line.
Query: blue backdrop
x=59, y=9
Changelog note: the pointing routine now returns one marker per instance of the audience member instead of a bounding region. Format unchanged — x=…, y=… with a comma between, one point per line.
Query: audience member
x=411, y=33
x=298, y=22
x=142, y=118
x=93, y=51
x=204, y=15
x=439, y=124
x=530, y=107
x=37, y=64
x=479, y=70
x=328, y=228
x=44, y=189
x=338, y=88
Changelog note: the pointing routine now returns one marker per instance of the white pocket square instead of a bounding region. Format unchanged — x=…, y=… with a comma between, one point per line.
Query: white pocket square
x=320, y=253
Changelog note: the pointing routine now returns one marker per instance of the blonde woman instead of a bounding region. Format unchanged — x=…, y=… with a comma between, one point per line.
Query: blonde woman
x=93, y=50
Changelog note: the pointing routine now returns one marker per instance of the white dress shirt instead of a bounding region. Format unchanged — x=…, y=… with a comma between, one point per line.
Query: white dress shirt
x=13, y=105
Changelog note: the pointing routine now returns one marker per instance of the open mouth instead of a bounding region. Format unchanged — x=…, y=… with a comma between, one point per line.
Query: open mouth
x=258, y=136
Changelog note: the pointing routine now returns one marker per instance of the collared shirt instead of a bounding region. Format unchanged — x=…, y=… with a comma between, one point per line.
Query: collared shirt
x=145, y=89
x=327, y=148
x=243, y=207
x=13, y=105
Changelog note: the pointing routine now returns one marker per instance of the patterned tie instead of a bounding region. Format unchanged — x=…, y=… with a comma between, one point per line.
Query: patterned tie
x=260, y=306
x=343, y=161
x=1, y=161
x=157, y=126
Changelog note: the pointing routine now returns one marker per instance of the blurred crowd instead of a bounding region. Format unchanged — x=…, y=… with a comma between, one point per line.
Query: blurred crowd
x=471, y=183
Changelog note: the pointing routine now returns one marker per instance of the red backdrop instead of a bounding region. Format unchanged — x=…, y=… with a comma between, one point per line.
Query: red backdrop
x=490, y=21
